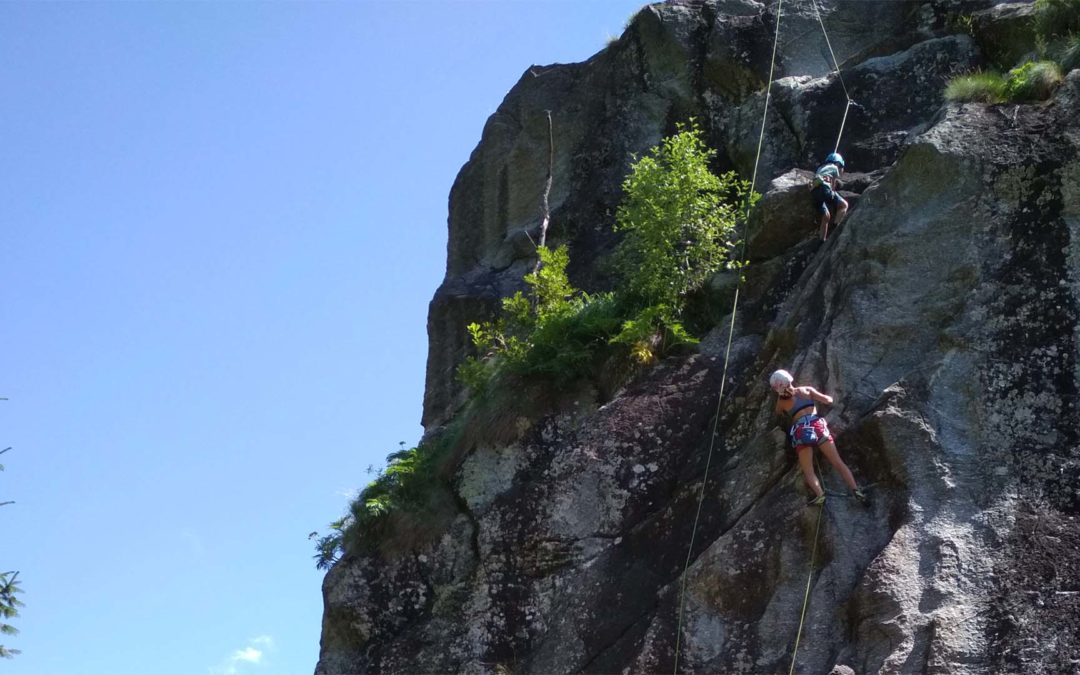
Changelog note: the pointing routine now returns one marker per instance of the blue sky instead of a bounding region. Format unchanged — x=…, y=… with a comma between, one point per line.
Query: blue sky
x=220, y=227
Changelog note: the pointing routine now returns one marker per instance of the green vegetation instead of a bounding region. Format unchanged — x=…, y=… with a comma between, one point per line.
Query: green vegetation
x=1066, y=52
x=9, y=608
x=1057, y=32
x=678, y=220
x=1057, y=43
x=985, y=87
x=555, y=333
x=9, y=604
x=1032, y=81
x=409, y=498
x=961, y=23
x=1056, y=19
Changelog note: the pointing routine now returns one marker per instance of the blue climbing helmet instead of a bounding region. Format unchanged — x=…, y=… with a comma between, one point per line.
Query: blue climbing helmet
x=835, y=158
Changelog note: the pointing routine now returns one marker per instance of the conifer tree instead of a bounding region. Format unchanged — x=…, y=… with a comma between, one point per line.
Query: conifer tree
x=9, y=604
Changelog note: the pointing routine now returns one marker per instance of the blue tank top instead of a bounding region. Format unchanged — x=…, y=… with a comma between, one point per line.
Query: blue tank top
x=800, y=404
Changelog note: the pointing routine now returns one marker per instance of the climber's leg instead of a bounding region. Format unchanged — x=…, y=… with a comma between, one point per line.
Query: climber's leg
x=828, y=448
x=841, y=209
x=822, y=197
x=806, y=463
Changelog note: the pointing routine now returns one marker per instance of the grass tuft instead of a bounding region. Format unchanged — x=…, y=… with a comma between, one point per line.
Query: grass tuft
x=1032, y=81
x=985, y=87
x=1066, y=52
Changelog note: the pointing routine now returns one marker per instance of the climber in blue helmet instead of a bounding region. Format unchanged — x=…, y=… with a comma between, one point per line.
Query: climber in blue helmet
x=809, y=431
x=827, y=201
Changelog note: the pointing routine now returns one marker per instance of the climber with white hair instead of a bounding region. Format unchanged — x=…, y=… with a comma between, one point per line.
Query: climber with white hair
x=809, y=431
x=827, y=201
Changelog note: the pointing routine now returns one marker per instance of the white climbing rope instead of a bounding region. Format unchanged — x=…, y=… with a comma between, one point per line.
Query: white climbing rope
x=727, y=350
x=839, y=75
x=731, y=332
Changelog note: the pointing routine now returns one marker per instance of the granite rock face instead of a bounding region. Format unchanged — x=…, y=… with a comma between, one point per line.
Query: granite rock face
x=943, y=314
x=704, y=60
x=1005, y=33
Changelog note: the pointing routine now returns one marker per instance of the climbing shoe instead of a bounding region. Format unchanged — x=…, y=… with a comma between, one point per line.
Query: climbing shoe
x=861, y=496
x=816, y=501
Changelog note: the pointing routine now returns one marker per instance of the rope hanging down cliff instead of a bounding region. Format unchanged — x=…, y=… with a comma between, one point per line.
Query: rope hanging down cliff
x=727, y=349
x=806, y=595
x=836, y=69
x=731, y=332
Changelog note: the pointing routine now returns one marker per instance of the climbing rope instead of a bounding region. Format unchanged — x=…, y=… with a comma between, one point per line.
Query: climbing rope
x=806, y=596
x=731, y=333
x=836, y=67
x=727, y=349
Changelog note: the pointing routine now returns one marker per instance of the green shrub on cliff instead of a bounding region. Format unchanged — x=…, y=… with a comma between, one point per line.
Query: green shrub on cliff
x=1032, y=81
x=9, y=603
x=680, y=220
x=1057, y=32
x=556, y=331
x=9, y=608
x=410, y=498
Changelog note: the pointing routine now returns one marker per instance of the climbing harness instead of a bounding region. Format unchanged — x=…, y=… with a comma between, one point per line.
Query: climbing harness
x=731, y=333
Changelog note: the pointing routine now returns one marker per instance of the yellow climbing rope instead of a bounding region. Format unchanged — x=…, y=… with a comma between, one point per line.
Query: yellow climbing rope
x=727, y=349
x=809, y=578
x=731, y=332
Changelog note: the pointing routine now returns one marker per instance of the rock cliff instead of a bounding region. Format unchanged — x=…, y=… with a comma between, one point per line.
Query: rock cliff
x=942, y=314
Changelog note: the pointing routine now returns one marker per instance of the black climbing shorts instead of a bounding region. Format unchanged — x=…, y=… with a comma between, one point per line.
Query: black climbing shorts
x=825, y=199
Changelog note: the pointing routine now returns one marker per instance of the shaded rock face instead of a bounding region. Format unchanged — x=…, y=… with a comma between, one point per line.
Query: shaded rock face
x=942, y=314
x=1005, y=33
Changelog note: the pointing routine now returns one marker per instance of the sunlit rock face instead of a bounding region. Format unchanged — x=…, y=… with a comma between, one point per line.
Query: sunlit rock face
x=942, y=314
x=708, y=61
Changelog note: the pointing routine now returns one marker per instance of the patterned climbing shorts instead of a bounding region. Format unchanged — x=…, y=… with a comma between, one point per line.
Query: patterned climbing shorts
x=808, y=432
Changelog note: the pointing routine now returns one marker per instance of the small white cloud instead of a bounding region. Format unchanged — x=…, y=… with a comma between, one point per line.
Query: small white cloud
x=252, y=654
x=264, y=641
x=247, y=655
